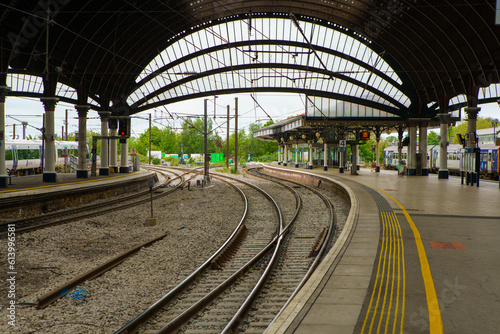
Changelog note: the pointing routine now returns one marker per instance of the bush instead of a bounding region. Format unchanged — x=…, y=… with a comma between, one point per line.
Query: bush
x=156, y=161
x=172, y=161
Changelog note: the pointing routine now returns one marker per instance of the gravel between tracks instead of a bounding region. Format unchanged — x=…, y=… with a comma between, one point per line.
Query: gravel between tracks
x=48, y=258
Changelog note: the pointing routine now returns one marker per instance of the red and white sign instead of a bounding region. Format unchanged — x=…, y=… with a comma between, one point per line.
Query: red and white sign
x=133, y=152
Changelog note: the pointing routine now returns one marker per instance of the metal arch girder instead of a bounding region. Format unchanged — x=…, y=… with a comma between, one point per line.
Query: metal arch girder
x=40, y=95
x=324, y=94
x=332, y=52
x=268, y=65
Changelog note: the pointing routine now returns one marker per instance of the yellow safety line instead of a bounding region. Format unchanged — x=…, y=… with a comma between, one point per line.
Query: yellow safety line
x=435, y=320
x=404, y=282
x=390, y=260
x=392, y=251
x=63, y=184
x=376, y=282
x=395, y=256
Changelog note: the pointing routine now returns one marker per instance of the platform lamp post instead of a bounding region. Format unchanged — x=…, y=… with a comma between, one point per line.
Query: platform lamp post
x=205, y=134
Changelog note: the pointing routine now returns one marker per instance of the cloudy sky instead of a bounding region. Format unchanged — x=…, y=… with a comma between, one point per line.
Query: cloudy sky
x=278, y=106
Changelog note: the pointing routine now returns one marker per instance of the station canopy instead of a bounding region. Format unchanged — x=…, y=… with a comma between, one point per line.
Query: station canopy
x=349, y=59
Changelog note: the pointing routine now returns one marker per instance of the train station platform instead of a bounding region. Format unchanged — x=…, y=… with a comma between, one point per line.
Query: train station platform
x=29, y=195
x=417, y=255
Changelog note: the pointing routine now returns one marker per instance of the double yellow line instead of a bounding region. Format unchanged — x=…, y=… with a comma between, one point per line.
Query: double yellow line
x=387, y=302
x=435, y=320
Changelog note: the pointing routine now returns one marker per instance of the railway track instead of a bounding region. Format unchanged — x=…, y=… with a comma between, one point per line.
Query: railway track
x=246, y=292
x=86, y=211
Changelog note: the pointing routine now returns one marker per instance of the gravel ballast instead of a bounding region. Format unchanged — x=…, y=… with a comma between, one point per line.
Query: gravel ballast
x=198, y=222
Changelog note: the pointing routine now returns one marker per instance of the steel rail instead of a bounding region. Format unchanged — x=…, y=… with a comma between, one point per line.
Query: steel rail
x=324, y=245
x=133, y=325
x=276, y=243
x=96, y=213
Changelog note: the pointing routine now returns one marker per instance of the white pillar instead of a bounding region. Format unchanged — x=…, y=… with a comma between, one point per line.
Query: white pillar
x=471, y=124
x=341, y=160
x=285, y=148
x=81, y=170
x=354, y=154
x=124, y=157
x=443, y=146
x=377, y=155
x=4, y=90
x=325, y=156
x=296, y=155
x=412, y=150
x=113, y=148
x=104, y=168
x=310, y=156
x=49, y=174
x=422, y=148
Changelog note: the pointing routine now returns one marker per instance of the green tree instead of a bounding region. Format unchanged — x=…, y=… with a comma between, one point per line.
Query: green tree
x=432, y=138
x=192, y=137
x=462, y=127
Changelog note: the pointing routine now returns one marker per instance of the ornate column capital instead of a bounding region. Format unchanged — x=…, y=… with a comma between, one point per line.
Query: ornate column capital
x=472, y=112
x=104, y=115
x=4, y=91
x=82, y=110
x=49, y=103
x=444, y=118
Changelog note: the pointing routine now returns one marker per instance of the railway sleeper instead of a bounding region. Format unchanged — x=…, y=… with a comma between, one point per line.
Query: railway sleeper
x=229, y=250
x=318, y=244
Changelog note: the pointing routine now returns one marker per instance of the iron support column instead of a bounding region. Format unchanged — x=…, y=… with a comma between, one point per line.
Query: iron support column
x=4, y=90
x=400, y=146
x=104, y=167
x=113, y=147
x=81, y=170
x=471, y=126
x=377, y=151
x=285, y=162
x=443, y=146
x=310, y=156
x=325, y=157
x=412, y=150
x=296, y=155
x=354, y=154
x=422, y=147
x=279, y=153
x=49, y=174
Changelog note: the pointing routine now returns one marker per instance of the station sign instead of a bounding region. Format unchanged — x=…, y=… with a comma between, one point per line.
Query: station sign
x=364, y=135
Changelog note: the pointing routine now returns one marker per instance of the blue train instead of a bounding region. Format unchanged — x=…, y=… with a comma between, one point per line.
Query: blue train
x=489, y=159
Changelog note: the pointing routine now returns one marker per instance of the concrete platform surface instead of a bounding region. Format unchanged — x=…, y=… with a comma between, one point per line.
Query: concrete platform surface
x=420, y=255
x=33, y=184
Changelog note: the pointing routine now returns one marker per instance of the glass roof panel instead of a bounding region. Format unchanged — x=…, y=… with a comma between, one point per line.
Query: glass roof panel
x=275, y=57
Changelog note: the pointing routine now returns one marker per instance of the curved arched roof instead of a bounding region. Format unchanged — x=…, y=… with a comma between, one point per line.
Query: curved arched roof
x=446, y=48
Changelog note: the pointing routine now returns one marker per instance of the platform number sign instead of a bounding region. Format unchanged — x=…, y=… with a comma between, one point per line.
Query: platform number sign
x=342, y=143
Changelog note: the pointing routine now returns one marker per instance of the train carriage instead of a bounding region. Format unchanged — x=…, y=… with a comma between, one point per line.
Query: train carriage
x=24, y=157
x=489, y=159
